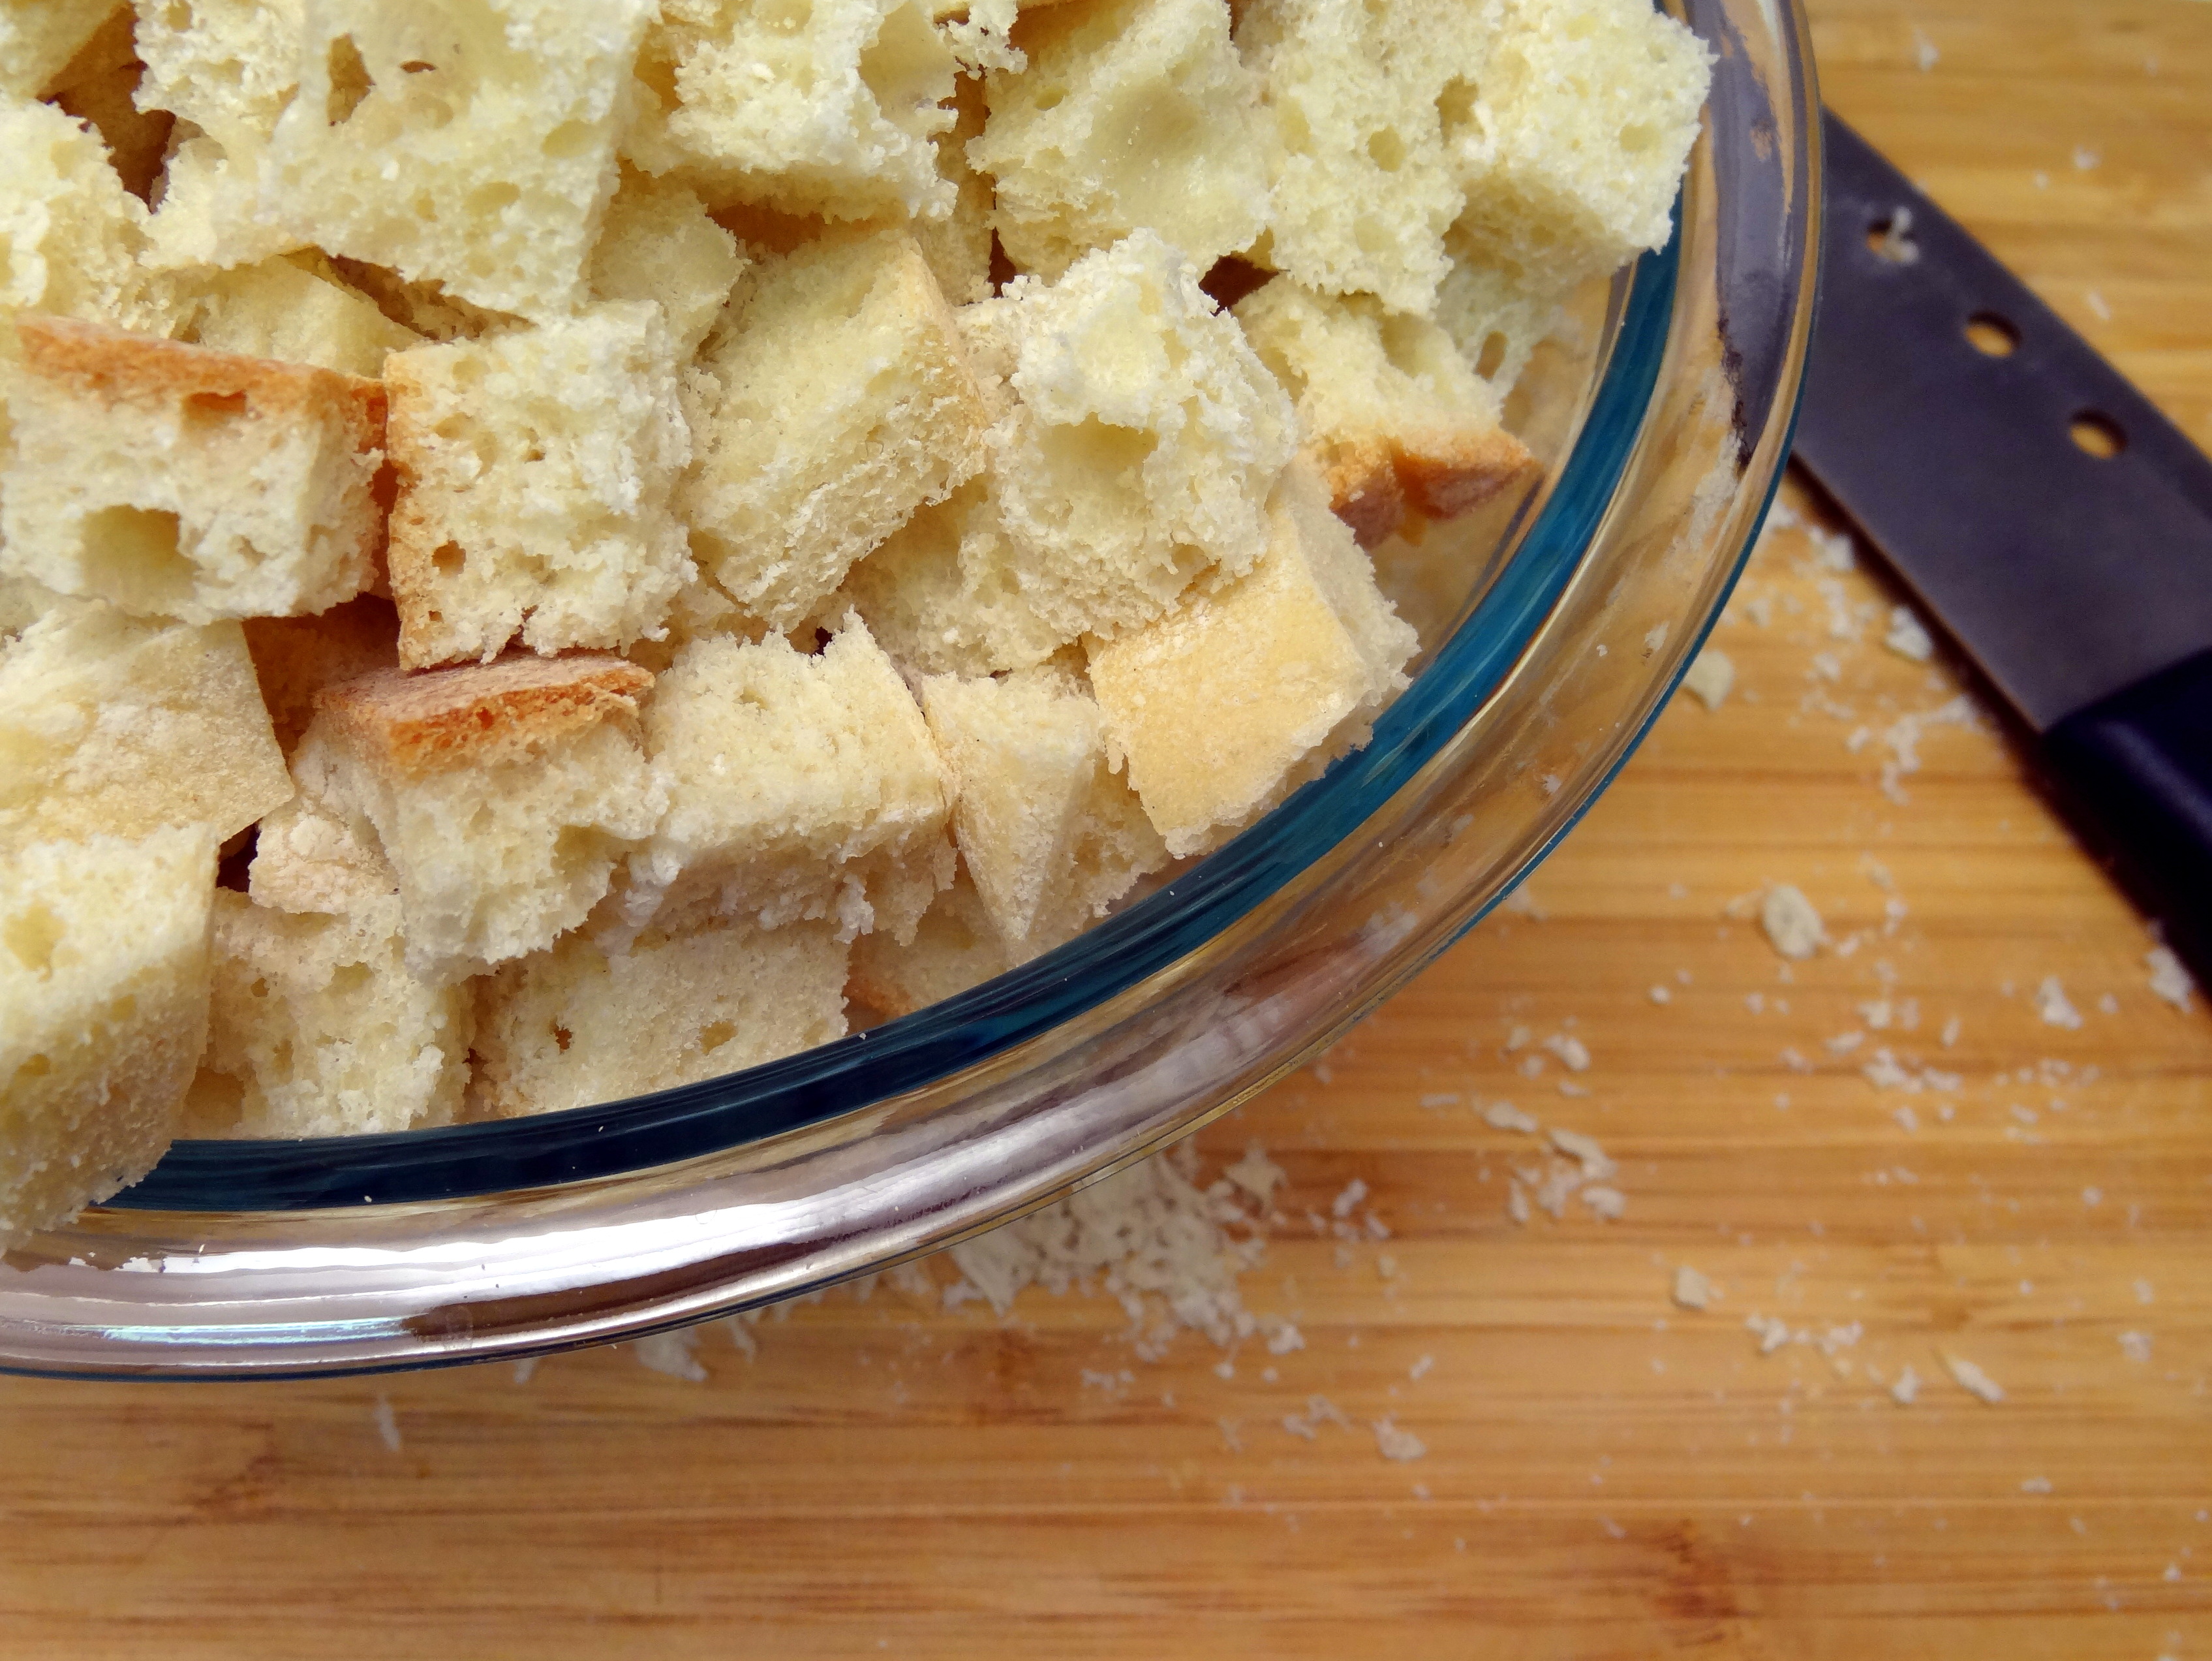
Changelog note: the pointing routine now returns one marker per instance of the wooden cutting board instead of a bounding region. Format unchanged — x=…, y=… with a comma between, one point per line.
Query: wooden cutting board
x=1605, y=1473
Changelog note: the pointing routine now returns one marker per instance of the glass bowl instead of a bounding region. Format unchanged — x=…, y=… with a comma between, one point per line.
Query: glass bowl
x=1559, y=624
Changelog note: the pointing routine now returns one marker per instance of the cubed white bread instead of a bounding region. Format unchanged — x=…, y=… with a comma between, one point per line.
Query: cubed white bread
x=798, y=787
x=207, y=205
x=294, y=658
x=281, y=309
x=958, y=246
x=658, y=244
x=109, y=720
x=828, y=108
x=577, y=1025
x=1496, y=315
x=471, y=142
x=1050, y=832
x=309, y=857
x=179, y=481
x=1389, y=413
x=318, y=1029
x=1145, y=436
x=943, y=594
x=1586, y=114
x=229, y=67
x=1130, y=113
x=1362, y=189
x=103, y=1012
x=535, y=471
x=71, y=236
x=502, y=795
x=37, y=38
x=1227, y=702
x=837, y=402
x=955, y=946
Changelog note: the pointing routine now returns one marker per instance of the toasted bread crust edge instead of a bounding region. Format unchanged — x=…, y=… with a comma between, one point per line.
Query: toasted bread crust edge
x=478, y=715
x=116, y=366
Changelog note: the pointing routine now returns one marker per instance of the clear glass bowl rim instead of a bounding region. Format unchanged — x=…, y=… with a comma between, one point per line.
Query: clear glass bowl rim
x=497, y=1189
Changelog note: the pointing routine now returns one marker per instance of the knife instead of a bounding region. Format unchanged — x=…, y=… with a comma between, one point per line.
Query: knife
x=2055, y=524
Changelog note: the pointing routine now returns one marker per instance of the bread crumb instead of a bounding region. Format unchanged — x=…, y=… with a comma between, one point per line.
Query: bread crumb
x=1691, y=1289
x=2168, y=979
x=1661, y=995
x=2136, y=1346
x=671, y=1353
x=1908, y=637
x=1571, y=1050
x=1906, y=1390
x=524, y=1368
x=2085, y=159
x=1971, y=1379
x=1397, y=1444
x=1354, y=1192
x=1419, y=1368
x=1924, y=55
x=387, y=1423
x=2052, y=1005
x=2036, y=1485
x=1710, y=676
x=1772, y=1331
x=1505, y=1116
x=1792, y=926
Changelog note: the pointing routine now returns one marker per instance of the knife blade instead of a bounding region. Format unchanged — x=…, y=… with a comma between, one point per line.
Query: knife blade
x=2055, y=524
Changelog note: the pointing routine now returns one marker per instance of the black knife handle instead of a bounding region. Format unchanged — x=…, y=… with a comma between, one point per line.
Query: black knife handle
x=2136, y=769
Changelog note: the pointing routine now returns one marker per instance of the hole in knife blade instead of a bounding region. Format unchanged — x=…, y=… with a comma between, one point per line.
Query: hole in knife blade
x=1992, y=336
x=2098, y=436
x=1891, y=238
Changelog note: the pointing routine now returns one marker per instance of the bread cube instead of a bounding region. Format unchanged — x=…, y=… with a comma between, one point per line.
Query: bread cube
x=1147, y=435
x=576, y=1026
x=502, y=795
x=944, y=596
x=1586, y=114
x=71, y=236
x=657, y=244
x=471, y=143
x=1495, y=314
x=955, y=946
x=37, y=38
x=1227, y=702
x=836, y=403
x=279, y=308
x=1049, y=831
x=827, y=108
x=294, y=658
x=229, y=67
x=797, y=787
x=1388, y=411
x=318, y=1029
x=103, y=1011
x=1130, y=113
x=535, y=470
x=310, y=857
x=182, y=481
x=1363, y=192
x=109, y=720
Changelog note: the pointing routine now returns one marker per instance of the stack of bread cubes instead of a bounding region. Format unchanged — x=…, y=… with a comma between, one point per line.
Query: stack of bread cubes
x=548, y=551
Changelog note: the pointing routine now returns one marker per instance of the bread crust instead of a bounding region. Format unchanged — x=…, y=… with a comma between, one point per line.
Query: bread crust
x=479, y=713
x=118, y=367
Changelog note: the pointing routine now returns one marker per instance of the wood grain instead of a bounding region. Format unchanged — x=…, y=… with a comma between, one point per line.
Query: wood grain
x=1606, y=1474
